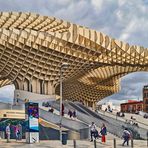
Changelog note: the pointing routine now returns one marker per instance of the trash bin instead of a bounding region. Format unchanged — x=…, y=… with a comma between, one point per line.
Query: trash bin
x=64, y=138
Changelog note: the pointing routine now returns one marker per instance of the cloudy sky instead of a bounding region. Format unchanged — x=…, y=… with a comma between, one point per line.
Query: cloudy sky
x=126, y=20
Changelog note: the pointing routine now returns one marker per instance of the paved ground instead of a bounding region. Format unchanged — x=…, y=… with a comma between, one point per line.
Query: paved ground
x=79, y=144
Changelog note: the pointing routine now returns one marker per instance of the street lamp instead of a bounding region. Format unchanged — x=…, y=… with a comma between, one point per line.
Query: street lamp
x=63, y=65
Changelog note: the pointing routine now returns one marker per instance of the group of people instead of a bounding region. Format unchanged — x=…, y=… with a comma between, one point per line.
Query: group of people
x=51, y=109
x=145, y=116
x=108, y=109
x=131, y=122
x=133, y=118
x=103, y=132
x=16, y=101
x=95, y=134
x=72, y=114
x=120, y=114
x=16, y=130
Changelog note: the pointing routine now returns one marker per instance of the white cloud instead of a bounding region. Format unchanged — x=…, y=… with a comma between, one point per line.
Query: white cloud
x=131, y=87
x=7, y=93
x=97, y=4
x=121, y=2
x=124, y=36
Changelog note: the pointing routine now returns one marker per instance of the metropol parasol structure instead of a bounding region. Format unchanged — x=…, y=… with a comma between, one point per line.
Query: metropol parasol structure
x=34, y=47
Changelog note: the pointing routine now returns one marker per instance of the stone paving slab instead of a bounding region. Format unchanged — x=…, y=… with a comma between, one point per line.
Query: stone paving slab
x=79, y=144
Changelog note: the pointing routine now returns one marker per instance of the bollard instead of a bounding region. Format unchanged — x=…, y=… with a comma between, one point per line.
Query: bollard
x=132, y=143
x=114, y=143
x=74, y=143
x=95, y=145
x=147, y=138
x=147, y=142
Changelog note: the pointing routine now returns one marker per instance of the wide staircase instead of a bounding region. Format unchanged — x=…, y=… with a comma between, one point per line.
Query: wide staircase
x=85, y=116
x=75, y=129
x=115, y=127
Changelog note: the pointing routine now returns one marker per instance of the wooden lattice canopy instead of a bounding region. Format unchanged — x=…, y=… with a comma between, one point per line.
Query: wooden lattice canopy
x=33, y=48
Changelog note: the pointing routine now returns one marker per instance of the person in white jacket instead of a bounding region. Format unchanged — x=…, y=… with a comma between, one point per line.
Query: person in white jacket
x=126, y=136
x=92, y=130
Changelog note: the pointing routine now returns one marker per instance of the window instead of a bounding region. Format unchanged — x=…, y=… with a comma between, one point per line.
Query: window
x=146, y=101
x=146, y=108
x=144, y=95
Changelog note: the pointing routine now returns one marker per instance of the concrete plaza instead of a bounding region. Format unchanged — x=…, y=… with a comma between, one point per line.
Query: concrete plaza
x=79, y=144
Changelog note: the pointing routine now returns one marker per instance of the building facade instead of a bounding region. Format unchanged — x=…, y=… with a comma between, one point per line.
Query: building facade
x=132, y=106
x=145, y=98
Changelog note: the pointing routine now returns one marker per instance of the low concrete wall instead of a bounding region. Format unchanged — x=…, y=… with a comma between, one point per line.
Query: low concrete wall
x=5, y=105
x=85, y=133
x=73, y=135
x=32, y=96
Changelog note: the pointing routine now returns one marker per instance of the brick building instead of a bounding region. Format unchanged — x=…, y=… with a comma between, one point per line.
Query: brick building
x=145, y=98
x=132, y=106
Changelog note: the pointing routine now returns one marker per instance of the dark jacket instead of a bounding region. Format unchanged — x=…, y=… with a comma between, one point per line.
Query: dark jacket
x=103, y=131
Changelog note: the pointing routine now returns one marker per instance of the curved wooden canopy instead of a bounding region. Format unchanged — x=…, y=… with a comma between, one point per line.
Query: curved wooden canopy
x=34, y=47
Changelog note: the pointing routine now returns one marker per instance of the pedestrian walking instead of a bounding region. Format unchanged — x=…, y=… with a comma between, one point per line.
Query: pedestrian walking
x=20, y=131
x=74, y=114
x=103, y=133
x=126, y=136
x=92, y=131
x=17, y=132
x=70, y=113
x=8, y=132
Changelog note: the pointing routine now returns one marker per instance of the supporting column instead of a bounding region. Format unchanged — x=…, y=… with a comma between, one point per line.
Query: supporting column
x=18, y=84
x=38, y=86
x=30, y=86
x=87, y=103
x=21, y=83
x=51, y=89
x=34, y=83
x=42, y=85
x=94, y=105
x=45, y=87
